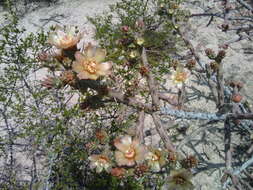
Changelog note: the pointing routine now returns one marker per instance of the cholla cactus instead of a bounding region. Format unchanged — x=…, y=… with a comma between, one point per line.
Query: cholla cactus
x=64, y=37
x=90, y=65
x=130, y=151
x=100, y=162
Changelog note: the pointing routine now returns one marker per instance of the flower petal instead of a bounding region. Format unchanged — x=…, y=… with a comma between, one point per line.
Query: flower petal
x=120, y=158
x=70, y=30
x=179, y=85
x=79, y=56
x=77, y=67
x=61, y=34
x=120, y=146
x=53, y=39
x=135, y=142
x=58, y=27
x=89, y=51
x=104, y=68
x=99, y=55
x=93, y=76
x=86, y=75
x=93, y=157
x=126, y=140
x=99, y=169
x=155, y=166
x=140, y=154
x=107, y=167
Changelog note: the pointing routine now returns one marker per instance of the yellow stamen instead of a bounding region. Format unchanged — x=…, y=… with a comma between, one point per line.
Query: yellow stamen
x=179, y=180
x=181, y=76
x=155, y=158
x=90, y=67
x=130, y=153
x=103, y=160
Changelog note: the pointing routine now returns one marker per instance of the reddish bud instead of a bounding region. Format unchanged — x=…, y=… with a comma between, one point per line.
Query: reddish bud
x=236, y=98
x=191, y=64
x=224, y=27
x=43, y=56
x=210, y=53
x=221, y=54
x=143, y=70
x=118, y=172
x=140, y=170
x=125, y=28
x=139, y=24
x=239, y=85
x=214, y=66
x=190, y=162
x=67, y=77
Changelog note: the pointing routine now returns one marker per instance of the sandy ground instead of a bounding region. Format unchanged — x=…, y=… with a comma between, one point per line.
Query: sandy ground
x=238, y=65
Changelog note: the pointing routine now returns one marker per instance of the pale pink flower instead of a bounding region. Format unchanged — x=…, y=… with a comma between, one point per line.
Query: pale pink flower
x=64, y=37
x=100, y=162
x=90, y=65
x=156, y=160
x=130, y=151
x=180, y=76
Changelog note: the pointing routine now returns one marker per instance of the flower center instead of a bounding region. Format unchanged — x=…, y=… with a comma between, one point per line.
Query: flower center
x=155, y=158
x=103, y=160
x=179, y=180
x=66, y=39
x=181, y=76
x=130, y=153
x=90, y=66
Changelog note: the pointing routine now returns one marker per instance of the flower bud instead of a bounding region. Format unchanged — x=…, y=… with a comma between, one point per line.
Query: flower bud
x=67, y=77
x=190, y=162
x=174, y=63
x=101, y=135
x=143, y=70
x=210, y=53
x=133, y=54
x=237, y=98
x=140, y=170
x=125, y=28
x=191, y=64
x=224, y=27
x=214, y=66
x=139, y=23
x=220, y=56
x=118, y=172
x=140, y=41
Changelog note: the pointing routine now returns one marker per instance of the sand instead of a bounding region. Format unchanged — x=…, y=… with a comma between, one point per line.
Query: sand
x=238, y=64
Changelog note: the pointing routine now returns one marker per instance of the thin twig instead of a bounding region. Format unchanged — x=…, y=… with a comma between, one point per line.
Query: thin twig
x=246, y=5
x=226, y=12
x=190, y=47
x=204, y=116
x=163, y=133
x=220, y=84
x=227, y=142
x=140, y=126
x=155, y=101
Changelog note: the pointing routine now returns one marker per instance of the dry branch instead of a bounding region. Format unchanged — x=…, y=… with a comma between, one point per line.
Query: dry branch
x=155, y=101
